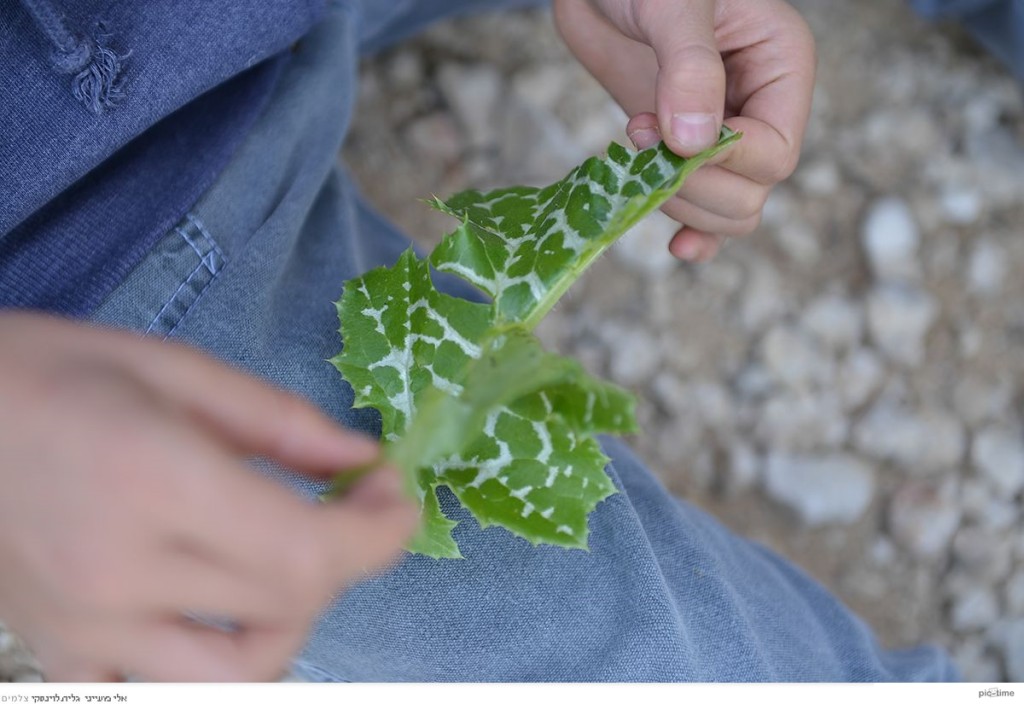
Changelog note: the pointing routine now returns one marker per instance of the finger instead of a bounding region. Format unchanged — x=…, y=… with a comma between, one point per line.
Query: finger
x=764, y=155
x=690, y=91
x=617, y=57
x=368, y=536
x=770, y=97
x=724, y=193
x=185, y=581
x=693, y=245
x=699, y=219
x=251, y=415
x=642, y=129
x=295, y=550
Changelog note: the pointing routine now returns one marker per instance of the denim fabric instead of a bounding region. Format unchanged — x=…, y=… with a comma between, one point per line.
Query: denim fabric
x=178, y=50
x=70, y=254
x=665, y=592
x=997, y=24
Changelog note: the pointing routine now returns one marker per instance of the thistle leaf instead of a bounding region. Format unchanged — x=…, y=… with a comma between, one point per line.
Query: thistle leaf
x=468, y=397
x=525, y=246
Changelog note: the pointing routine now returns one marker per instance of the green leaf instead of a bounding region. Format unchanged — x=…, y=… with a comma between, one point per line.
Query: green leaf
x=525, y=246
x=468, y=397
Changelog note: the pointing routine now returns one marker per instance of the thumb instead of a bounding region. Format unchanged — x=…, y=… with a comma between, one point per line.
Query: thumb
x=690, y=92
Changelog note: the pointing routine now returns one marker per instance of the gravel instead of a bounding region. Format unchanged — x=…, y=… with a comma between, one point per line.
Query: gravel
x=899, y=317
x=891, y=239
x=998, y=453
x=822, y=489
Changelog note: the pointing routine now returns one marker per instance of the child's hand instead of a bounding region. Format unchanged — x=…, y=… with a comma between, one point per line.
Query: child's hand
x=678, y=67
x=125, y=502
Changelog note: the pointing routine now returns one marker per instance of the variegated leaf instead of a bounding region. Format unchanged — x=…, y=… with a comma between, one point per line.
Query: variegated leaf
x=468, y=397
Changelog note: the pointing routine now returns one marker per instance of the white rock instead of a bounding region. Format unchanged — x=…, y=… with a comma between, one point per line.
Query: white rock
x=764, y=299
x=987, y=267
x=635, y=357
x=960, y=206
x=435, y=137
x=721, y=280
x=780, y=208
x=644, y=248
x=799, y=242
x=599, y=127
x=974, y=610
x=754, y=382
x=744, y=468
x=794, y=359
x=975, y=496
x=712, y=403
x=983, y=553
x=473, y=92
x=543, y=86
x=861, y=374
x=532, y=144
x=835, y=321
x=1001, y=515
x=974, y=663
x=1013, y=592
x=978, y=399
x=802, y=422
x=890, y=237
x=899, y=318
x=827, y=489
x=919, y=443
x=818, y=178
x=405, y=70
x=998, y=453
x=700, y=468
x=678, y=442
x=882, y=552
x=923, y=517
x=969, y=340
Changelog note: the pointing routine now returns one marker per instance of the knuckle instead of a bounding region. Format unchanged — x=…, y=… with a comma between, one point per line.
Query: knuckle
x=783, y=168
x=749, y=225
x=751, y=202
x=697, y=59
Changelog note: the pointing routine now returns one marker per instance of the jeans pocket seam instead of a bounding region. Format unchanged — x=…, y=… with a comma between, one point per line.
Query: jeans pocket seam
x=211, y=261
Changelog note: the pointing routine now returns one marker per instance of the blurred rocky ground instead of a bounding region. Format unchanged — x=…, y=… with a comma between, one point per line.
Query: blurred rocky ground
x=844, y=386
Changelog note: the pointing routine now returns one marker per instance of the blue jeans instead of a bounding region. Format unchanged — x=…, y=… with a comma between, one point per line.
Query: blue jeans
x=665, y=592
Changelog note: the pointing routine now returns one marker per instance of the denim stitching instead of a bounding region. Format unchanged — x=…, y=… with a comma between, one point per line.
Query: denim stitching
x=173, y=298
x=211, y=261
x=208, y=259
x=198, y=298
x=205, y=233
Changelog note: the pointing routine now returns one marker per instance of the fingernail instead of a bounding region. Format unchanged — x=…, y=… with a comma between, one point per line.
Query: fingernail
x=689, y=249
x=694, y=130
x=642, y=139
